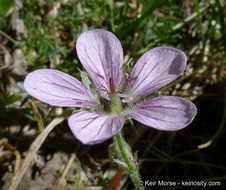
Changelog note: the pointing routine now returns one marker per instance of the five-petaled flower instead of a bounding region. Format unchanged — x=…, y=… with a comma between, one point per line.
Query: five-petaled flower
x=114, y=95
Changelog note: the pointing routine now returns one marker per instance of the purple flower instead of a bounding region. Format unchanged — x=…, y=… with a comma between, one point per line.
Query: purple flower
x=113, y=95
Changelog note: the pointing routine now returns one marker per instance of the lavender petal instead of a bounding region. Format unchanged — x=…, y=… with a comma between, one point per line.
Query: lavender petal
x=155, y=69
x=101, y=52
x=167, y=113
x=94, y=128
x=58, y=89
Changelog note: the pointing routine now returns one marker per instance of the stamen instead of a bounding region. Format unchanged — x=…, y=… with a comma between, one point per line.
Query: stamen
x=129, y=99
x=99, y=75
x=110, y=80
x=135, y=78
x=102, y=88
x=108, y=73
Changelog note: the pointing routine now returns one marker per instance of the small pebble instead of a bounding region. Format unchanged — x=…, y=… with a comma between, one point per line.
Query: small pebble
x=186, y=86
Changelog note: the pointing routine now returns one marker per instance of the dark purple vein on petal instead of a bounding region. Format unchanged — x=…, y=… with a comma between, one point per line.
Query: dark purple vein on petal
x=138, y=72
x=111, y=126
x=79, y=84
x=88, y=124
x=146, y=118
x=101, y=127
x=71, y=89
x=146, y=107
x=137, y=85
x=157, y=119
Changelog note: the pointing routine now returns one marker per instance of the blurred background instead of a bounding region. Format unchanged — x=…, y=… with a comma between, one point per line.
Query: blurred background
x=38, y=34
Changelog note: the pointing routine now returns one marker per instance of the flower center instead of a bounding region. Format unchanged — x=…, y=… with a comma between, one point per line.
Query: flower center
x=116, y=106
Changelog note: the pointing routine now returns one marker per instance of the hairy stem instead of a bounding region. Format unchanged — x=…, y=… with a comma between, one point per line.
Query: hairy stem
x=126, y=156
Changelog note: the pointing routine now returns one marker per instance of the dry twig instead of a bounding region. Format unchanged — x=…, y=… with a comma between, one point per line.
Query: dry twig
x=32, y=151
x=66, y=169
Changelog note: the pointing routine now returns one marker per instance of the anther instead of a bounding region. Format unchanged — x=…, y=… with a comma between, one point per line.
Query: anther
x=125, y=100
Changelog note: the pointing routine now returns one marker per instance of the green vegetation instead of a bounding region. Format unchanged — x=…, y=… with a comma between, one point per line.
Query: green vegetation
x=46, y=33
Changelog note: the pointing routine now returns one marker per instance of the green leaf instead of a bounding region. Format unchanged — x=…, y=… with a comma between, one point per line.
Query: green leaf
x=27, y=112
x=85, y=79
x=5, y=5
x=151, y=6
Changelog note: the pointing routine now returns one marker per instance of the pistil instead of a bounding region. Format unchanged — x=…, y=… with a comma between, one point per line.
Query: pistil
x=116, y=106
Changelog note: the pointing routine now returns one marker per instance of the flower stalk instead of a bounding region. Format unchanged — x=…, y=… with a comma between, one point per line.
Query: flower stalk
x=126, y=156
x=124, y=151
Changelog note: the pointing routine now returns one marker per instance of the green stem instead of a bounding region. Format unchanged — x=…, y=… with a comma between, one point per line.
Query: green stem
x=134, y=174
x=124, y=150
